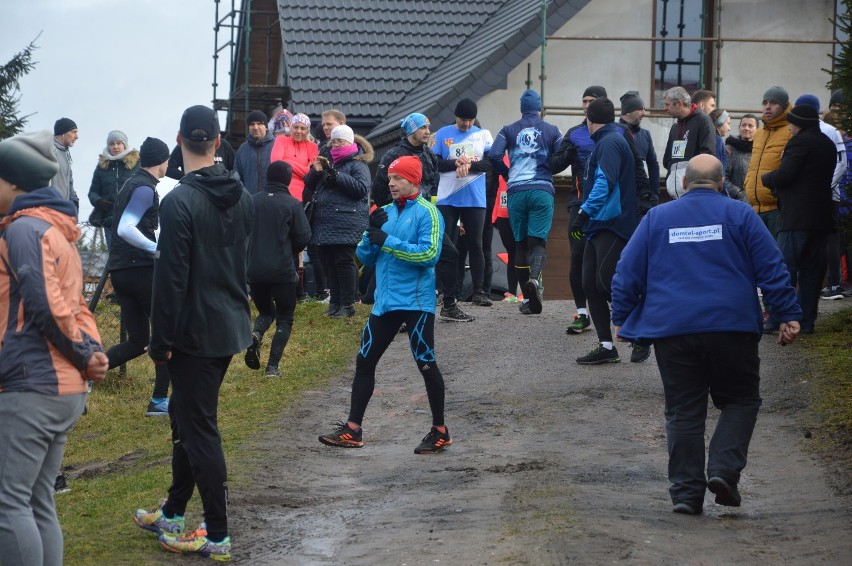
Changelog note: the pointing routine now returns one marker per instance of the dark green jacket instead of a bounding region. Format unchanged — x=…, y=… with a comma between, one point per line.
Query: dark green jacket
x=107, y=180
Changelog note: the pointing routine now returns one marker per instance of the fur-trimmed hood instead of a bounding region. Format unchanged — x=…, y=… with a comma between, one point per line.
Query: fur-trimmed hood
x=130, y=160
x=366, y=147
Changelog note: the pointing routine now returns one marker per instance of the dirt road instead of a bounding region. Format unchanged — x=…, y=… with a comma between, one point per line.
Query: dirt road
x=552, y=463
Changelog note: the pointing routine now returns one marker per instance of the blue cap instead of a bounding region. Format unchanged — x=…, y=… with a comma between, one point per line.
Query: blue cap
x=809, y=99
x=530, y=101
x=413, y=122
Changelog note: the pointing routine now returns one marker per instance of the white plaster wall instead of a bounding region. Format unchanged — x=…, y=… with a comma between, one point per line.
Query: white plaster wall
x=747, y=69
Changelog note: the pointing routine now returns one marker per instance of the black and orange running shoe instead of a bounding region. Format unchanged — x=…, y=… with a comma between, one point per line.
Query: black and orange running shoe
x=344, y=437
x=434, y=442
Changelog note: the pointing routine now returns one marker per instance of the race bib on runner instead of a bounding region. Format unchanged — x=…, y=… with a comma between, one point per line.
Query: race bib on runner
x=679, y=149
x=463, y=148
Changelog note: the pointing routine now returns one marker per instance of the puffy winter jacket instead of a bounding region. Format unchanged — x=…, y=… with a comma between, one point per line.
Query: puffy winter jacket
x=767, y=147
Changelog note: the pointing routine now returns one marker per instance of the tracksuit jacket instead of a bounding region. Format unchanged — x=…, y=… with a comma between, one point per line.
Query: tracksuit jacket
x=609, y=188
x=200, y=298
x=48, y=334
x=405, y=274
x=530, y=143
x=692, y=266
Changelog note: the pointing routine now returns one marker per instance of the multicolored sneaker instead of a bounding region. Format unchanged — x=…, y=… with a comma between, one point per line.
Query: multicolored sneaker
x=197, y=542
x=580, y=324
x=156, y=522
x=434, y=442
x=509, y=297
x=158, y=408
x=344, y=436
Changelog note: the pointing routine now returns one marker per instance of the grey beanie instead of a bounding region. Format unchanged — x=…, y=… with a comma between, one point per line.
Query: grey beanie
x=836, y=97
x=778, y=94
x=117, y=135
x=27, y=160
x=630, y=102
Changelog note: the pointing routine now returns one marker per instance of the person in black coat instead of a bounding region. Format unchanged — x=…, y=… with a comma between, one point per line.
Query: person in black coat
x=802, y=185
x=279, y=234
x=340, y=188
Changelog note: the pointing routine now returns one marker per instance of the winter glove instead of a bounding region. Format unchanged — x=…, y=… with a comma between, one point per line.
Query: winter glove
x=645, y=205
x=580, y=221
x=378, y=218
x=376, y=236
x=105, y=205
x=577, y=235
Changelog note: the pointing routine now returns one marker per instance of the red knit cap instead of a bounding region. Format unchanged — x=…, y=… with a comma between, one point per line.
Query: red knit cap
x=409, y=168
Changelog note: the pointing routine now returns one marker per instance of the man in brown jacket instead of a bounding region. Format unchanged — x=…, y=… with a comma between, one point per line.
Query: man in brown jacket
x=769, y=142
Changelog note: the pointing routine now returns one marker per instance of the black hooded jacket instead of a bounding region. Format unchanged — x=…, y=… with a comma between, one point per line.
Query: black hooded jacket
x=200, y=298
x=280, y=231
x=380, y=192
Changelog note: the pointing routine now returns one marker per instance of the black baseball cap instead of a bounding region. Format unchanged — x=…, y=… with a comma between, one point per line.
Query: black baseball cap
x=199, y=123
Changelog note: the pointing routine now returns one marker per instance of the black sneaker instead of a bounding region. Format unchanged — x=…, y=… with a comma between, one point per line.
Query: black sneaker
x=272, y=371
x=831, y=293
x=60, y=485
x=332, y=308
x=344, y=437
x=726, y=494
x=524, y=307
x=252, y=357
x=454, y=314
x=687, y=508
x=434, y=442
x=481, y=299
x=640, y=353
x=600, y=355
x=533, y=292
x=580, y=324
x=344, y=312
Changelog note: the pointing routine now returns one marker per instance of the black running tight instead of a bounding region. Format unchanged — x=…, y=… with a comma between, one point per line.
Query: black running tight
x=378, y=333
x=599, y=260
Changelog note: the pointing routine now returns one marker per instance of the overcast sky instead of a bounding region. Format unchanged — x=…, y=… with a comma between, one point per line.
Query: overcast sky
x=108, y=65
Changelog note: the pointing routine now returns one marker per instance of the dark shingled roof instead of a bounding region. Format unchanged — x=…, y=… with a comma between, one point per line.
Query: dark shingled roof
x=380, y=60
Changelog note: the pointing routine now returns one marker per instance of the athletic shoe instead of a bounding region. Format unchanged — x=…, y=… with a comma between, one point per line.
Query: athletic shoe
x=687, y=508
x=640, y=353
x=847, y=292
x=198, y=543
x=60, y=485
x=599, y=355
x=158, y=408
x=532, y=290
x=272, y=371
x=454, y=314
x=434, y=442
x=345, y=311
x=344, y=437
x=324, y=296
x=332, y=308
x=481, y=299
x=156, y=522
x=580, y=324
x=509, y=297
x=832, y=293
x=524, y=307
x=726, y=494
x=252, y=357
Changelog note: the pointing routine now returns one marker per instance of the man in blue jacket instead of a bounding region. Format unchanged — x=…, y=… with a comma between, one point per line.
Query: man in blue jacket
x=718, y=249
x=404, y=243
x=530, y=143
x=607, y=217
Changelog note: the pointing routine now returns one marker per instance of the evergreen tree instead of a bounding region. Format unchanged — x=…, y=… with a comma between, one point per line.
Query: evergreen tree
x=842, y=76
x=10, y=75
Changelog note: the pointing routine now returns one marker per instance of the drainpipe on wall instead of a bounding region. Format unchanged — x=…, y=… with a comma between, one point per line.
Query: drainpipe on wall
x=543, y=76
x=247, y=59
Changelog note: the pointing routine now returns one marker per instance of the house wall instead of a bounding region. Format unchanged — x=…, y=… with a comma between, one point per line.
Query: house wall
x=746, y=70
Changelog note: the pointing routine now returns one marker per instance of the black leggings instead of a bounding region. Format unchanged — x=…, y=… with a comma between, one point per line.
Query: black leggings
x=599, y=260
x=319, y=272
x=133, y=287
x=473, y=219
x=575, y=275
x=378, y=333
x=505, y=231
x=341, y=273
x=446, y=270
x=274, y=301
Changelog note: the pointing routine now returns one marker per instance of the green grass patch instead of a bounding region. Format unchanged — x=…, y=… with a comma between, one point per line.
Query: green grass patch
x=831, y=348
x=120, y=460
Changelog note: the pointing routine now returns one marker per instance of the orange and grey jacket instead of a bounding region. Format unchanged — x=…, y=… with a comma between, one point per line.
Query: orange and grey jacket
x=48, y=334
x=767, y=147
